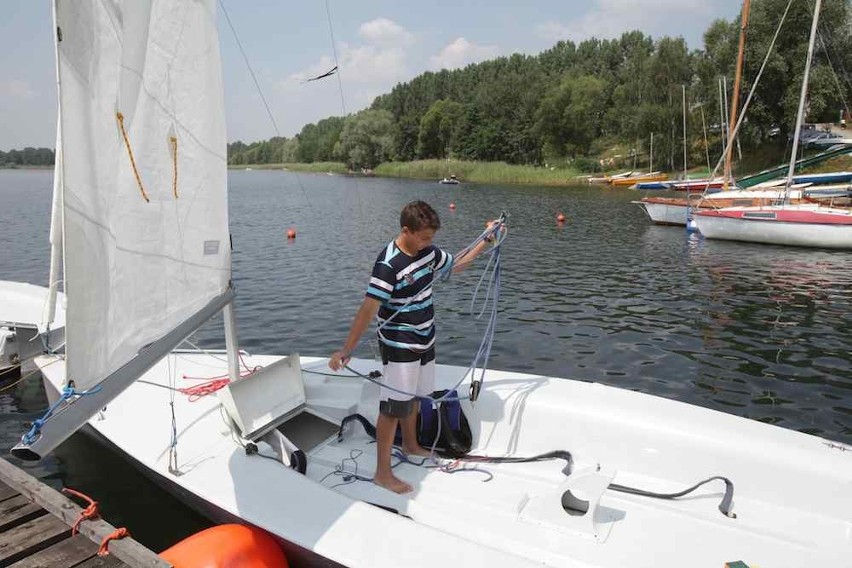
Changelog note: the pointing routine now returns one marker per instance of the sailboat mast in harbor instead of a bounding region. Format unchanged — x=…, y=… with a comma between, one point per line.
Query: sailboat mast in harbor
x=736, y=94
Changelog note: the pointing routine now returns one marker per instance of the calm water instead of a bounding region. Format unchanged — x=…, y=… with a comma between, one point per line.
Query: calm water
x=758, y=331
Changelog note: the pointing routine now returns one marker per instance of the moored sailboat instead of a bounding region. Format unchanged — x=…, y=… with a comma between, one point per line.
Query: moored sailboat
x=785, y=223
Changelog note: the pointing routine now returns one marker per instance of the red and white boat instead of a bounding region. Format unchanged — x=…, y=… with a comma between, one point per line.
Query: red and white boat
x=804, y=225
x=675, y=210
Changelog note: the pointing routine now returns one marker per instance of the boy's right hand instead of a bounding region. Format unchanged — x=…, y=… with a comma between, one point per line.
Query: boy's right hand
x=339, y=359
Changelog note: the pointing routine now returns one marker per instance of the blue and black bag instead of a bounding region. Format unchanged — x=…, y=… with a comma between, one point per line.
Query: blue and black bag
x=455, y=438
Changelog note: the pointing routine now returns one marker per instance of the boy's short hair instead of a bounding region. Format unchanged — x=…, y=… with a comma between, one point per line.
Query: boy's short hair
x=419, y=215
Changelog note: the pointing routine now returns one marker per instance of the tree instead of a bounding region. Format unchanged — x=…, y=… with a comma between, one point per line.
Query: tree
x=439, y=128
x=367, y=138
x=569, y=117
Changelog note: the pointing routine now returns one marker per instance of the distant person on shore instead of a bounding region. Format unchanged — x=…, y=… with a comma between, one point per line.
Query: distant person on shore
x=400, y=290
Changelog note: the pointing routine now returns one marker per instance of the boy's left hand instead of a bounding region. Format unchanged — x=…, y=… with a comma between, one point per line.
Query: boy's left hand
x=339, y=359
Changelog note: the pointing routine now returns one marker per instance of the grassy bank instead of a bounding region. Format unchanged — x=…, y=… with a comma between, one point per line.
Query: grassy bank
x=316, y=167
x=477, y=172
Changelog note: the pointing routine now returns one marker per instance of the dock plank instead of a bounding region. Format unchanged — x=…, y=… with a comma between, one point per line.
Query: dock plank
x=31, y=537
x=17, y=511
x=102, y=562
x=127, y=549
x=6, y=491
x=64, y=554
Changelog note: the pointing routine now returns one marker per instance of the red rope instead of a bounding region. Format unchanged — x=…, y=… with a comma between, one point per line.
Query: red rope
x=209, y=387
x=114, y=535
x=90, y=512
x=212, y=384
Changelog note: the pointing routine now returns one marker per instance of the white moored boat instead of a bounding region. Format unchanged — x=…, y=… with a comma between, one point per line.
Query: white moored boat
x=22, y=322
x=803, y=225
x=146, y=261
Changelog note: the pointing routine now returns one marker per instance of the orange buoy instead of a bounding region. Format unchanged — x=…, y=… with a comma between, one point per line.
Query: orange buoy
x=291, y=233
x=452, y=205
x=227, y=546
x=560, y=218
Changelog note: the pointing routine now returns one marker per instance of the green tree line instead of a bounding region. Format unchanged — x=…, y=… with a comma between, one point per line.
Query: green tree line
x=26, y=157
x=576, y=101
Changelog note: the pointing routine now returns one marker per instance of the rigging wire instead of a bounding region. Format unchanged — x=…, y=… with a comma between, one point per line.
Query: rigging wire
x=251, y=71
x=834, y=76
x=260, y=92
x=342, y=101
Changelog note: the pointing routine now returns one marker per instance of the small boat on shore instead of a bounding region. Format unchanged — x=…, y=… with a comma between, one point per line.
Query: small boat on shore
x=631, y=180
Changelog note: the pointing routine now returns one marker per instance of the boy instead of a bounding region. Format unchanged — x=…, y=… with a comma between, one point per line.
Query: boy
x=402, y=278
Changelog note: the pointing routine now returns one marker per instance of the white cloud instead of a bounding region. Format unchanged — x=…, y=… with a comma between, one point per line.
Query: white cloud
x=460, y=53
x=16, y=89
x=611, y=18
x=382, y=31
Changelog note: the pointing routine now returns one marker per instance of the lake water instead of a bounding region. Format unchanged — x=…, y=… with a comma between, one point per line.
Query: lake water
x=757, y=331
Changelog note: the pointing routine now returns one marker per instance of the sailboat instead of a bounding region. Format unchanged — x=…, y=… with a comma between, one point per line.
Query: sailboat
x=567, y=474
x=785, y=223
x=721, y=192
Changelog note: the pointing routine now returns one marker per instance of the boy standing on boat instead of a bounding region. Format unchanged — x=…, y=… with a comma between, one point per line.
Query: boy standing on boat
x=400, y=293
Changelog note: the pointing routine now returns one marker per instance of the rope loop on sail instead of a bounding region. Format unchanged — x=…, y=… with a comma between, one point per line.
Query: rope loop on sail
x=173, y=144
x=120, y=118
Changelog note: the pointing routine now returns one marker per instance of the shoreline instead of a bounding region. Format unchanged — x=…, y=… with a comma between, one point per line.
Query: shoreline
x=435, y=170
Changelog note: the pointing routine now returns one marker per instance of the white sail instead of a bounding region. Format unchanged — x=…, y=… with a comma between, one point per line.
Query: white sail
x=145, y=201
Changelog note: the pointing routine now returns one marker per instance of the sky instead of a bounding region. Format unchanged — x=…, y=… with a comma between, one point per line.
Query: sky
x=378, y=44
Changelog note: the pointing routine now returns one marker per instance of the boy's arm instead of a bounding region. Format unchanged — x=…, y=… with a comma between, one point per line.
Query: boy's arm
x=463, y=261
x=368, y=310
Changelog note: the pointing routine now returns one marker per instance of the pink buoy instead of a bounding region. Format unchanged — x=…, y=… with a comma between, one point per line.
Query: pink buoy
x=452, y=205
x=291, y=233
x=560, y=218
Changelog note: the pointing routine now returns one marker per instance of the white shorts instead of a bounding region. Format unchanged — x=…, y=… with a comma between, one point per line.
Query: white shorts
x=411, y=377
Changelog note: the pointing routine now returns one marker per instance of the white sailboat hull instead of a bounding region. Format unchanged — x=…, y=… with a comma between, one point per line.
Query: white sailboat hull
x=816, y=227
x=21, y=315
x=793, y=492
x=665, y=213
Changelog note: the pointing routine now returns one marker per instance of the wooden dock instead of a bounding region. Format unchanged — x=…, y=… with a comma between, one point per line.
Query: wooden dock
x=35, y=530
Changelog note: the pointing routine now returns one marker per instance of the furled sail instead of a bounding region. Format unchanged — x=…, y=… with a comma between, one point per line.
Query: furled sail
x=146, y=221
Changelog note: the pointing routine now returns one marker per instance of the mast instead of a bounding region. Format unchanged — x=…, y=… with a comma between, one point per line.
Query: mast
x=736, y=94
x=802, y=97
x=683, y=91
x=56, y=225
x=651, y=156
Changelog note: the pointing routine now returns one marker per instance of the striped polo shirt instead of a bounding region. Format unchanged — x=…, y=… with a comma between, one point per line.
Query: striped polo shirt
x=400, y=280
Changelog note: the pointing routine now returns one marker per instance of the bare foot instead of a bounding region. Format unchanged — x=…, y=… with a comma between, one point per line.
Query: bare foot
x=417, y=450
x=392, y=483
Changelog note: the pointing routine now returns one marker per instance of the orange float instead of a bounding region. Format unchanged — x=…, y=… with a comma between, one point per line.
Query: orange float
x=560, y=218
x=227, y=546
x=452, y=205
x=291, y=233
